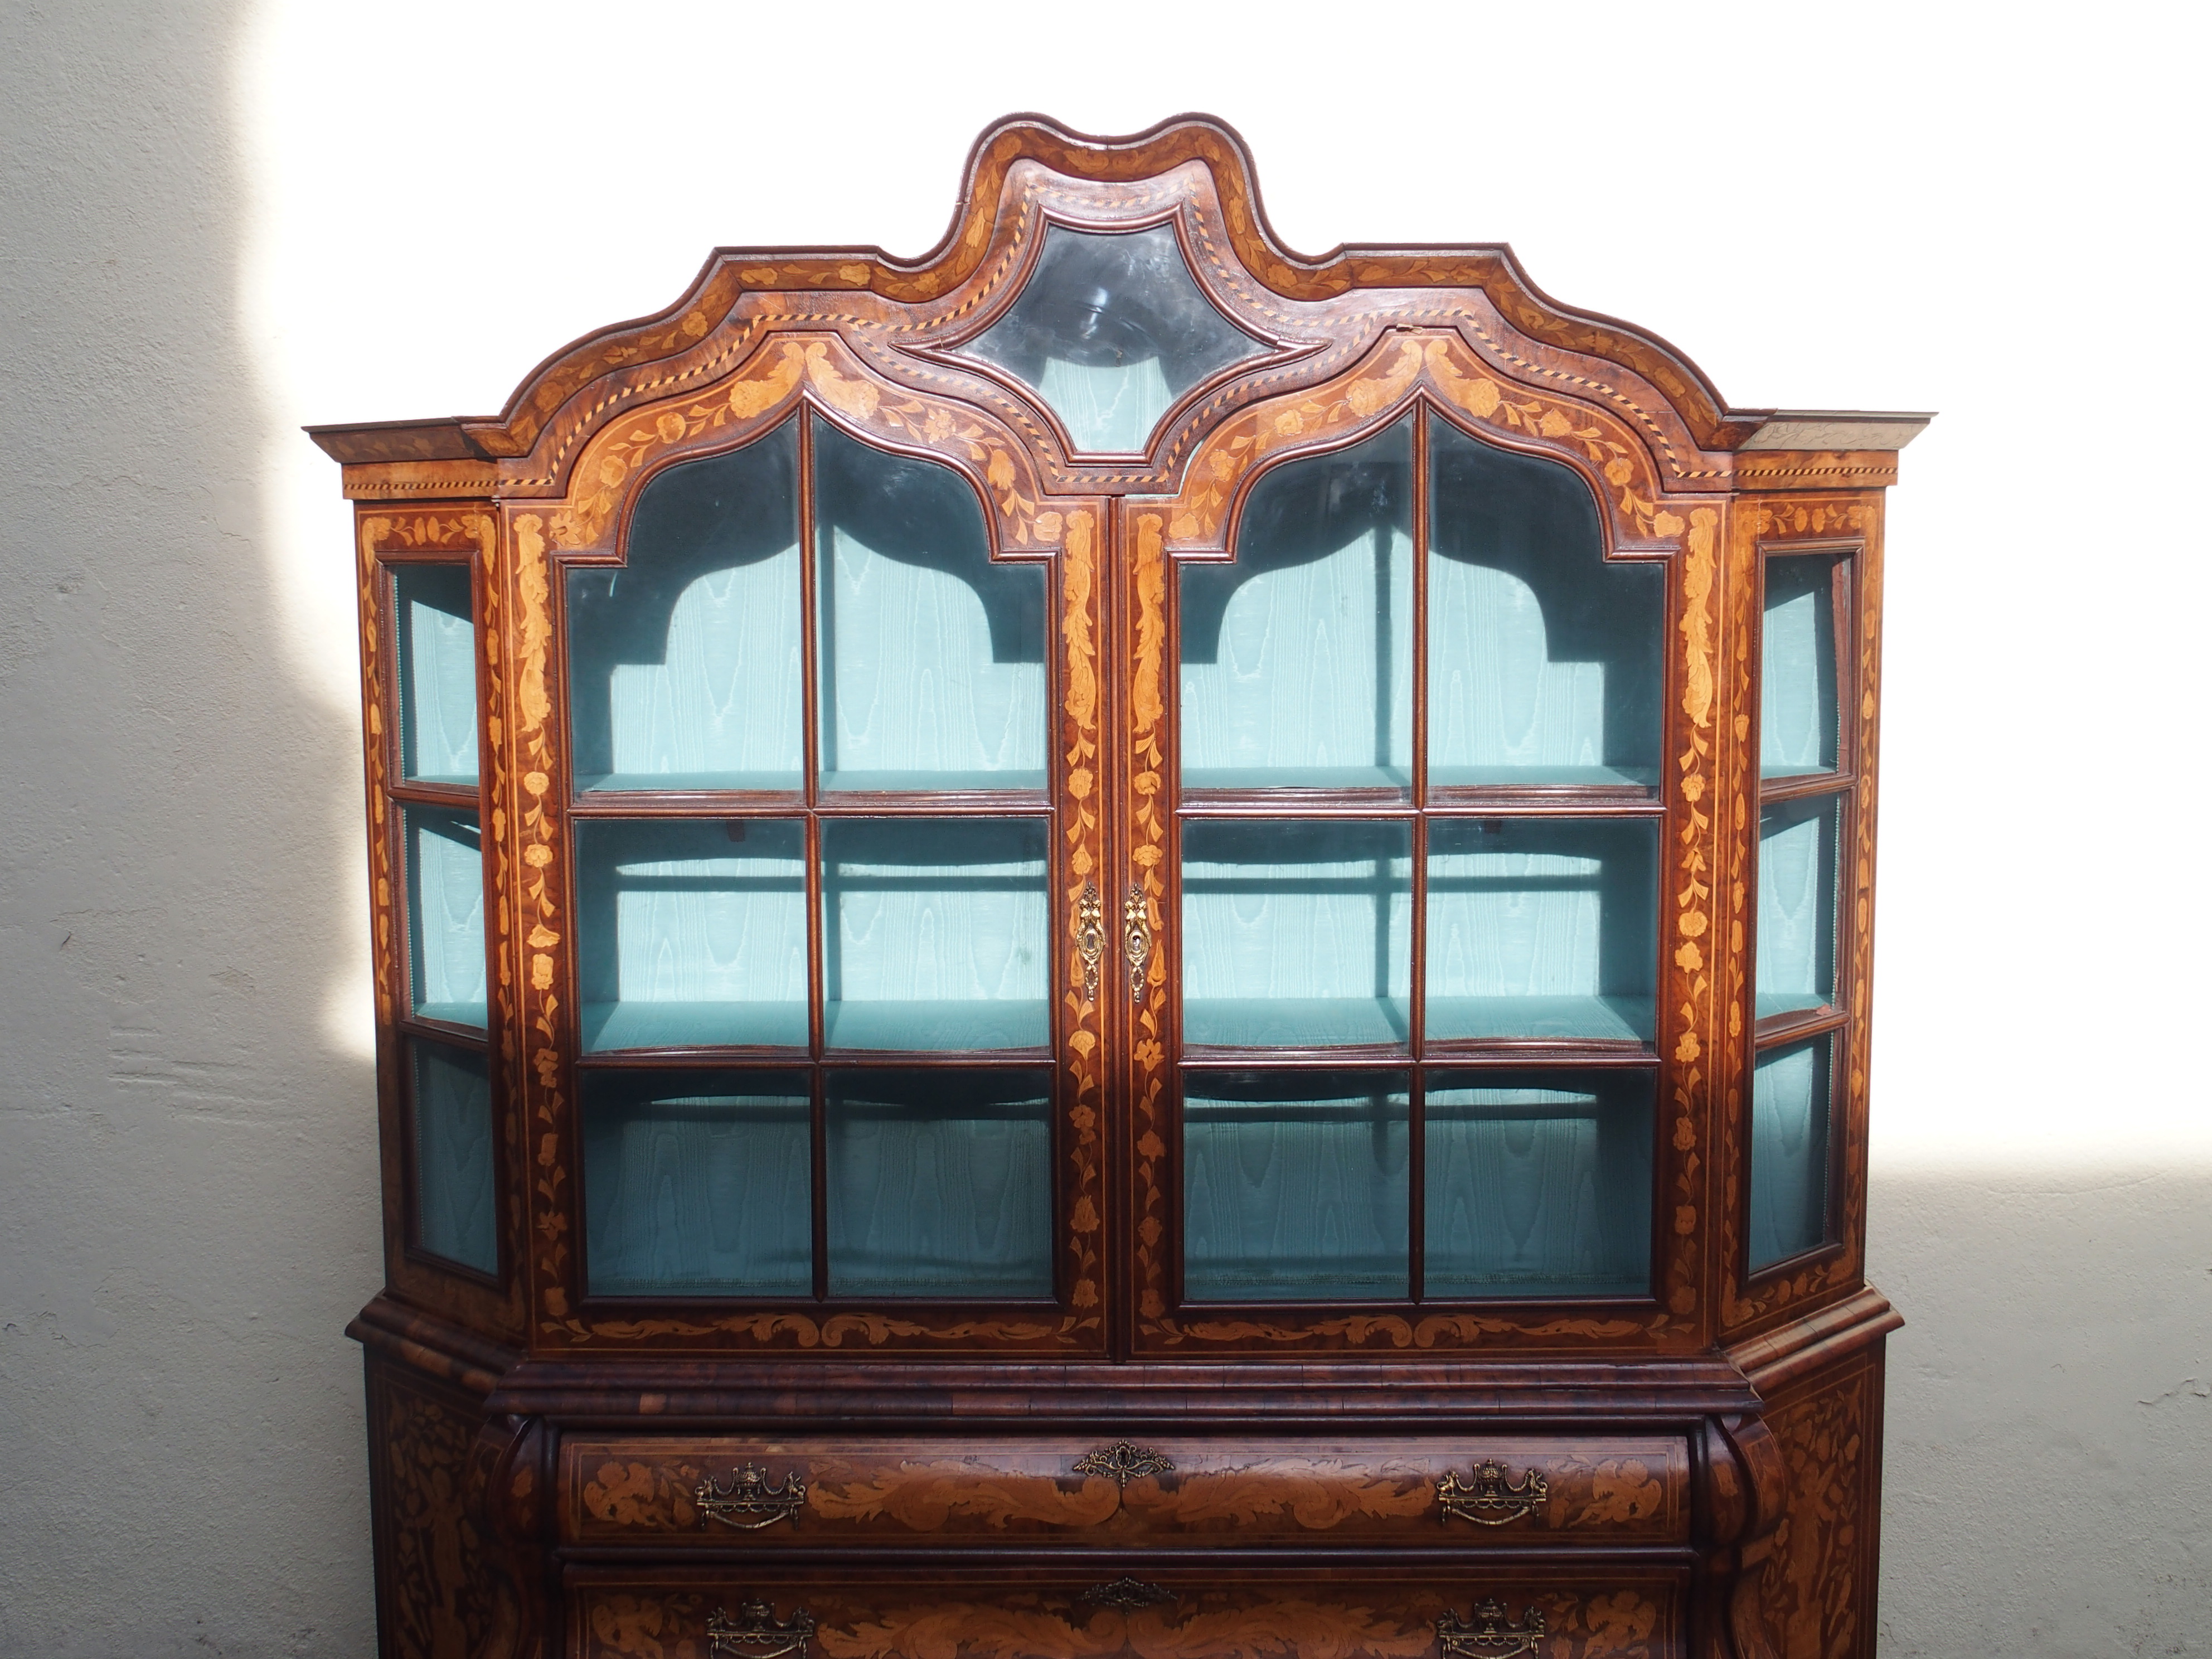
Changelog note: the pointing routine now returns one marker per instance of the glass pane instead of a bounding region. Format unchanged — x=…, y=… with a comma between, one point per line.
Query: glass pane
x=1298, y=658
x=933, y=657
x=1539, y=1183
x=445, y=915
x=692, y=934
x=1797, y=964
x=1789, y=1151
x=940, y=1183
x=697, y=1184
x=1544, y=661
x=686, y=667
x=1110, y=329
x=1797, y=726
x=933, y=933
x=1542, y=928
x=437, y=674
x=1295, y=1186
x=454, y=1214
x=1296, y=934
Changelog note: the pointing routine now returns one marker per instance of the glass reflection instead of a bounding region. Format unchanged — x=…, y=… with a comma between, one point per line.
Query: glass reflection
x=1295, y=1186
x=940, y=1183
x=1542, y=929
x=932, y=657
x=1296, y=934
x=686, y=668
x=1109, y=331
x=1797, y=720
x=437, y=641
x=1789, y=1134
x=1544, y=661
x=454, y=1216
x=1538, y=1184
x=445, y=915
x=691, y=934
x=1297, y=657
x=1797, y=858
x=697, y=1184
x=933, y=933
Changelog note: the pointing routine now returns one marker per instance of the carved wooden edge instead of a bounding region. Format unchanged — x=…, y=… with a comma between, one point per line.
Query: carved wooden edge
x=1850, y=522
x=692, y=342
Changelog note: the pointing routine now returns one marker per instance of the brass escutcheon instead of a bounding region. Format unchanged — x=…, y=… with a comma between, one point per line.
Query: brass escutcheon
x=1136, y=938
x=1122, y=1462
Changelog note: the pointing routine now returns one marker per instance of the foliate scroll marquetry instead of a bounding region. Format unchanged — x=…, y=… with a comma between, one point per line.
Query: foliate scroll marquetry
x=438, y=1591
x=1083, y=865
x=1440, y=364
x=762, y=392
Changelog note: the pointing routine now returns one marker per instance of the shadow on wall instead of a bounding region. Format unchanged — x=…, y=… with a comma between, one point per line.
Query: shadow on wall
x=2058, y=1344
x=188, y=1210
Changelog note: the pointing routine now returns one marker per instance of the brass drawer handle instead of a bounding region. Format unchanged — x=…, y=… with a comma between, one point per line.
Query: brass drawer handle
x=755, y=1633
x=1122, y=1462
x=1136, y=938
x=1487, y=1633
x=750, y=1500
x=1488, y=1499
x=1091, y=938
x=1126, y=1595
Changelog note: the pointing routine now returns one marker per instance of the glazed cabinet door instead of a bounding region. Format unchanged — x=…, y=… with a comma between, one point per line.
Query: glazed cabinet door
x=1398, y=830
x=826, y=845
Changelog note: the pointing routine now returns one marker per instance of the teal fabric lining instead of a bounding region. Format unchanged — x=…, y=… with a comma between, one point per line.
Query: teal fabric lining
x=437, y=674
x=689, y=938
x=1796, y=946
x=455, y=1215
x=726, y=701
x=1297, y=931
x=1538, y=1191
x=697, y=1184
x=1797, y=716
x=1788, y=1152
x=1297, y=1199
x=940, y=1184
x=935, y=932
x=445, y=915
x=1107, y=407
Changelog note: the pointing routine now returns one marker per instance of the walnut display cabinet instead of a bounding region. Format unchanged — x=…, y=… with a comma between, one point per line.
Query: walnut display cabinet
x=1117, y=943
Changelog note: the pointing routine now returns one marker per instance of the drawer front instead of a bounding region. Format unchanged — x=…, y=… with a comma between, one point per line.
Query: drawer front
x=1145, y=1615
x=1440, y=1493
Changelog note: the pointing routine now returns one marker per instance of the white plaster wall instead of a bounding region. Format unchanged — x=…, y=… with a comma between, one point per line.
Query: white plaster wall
x=221, y=220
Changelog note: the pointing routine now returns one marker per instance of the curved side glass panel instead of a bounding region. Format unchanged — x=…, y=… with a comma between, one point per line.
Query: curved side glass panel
x=1545, y=662
x=454, y=1214
x=697, y=1184
x=1538, y=1184
x=1109, y=331
x=445, y=915
x=932, y=657
x=940, y=1183
x=1295, y=1186
x=1297, y=657
x=1297, y=935
x=685, y=665
x=437, y=641
x=1797, y=858
x=1798, y=727
x=933, y=933
x=693, y=933
x=1789, y=1093
x=1542, y=928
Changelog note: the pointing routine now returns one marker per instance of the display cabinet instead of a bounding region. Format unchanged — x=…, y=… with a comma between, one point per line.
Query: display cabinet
x=1119, y=943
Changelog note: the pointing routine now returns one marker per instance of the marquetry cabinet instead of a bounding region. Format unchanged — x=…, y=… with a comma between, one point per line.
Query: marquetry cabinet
x=1117, y=943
